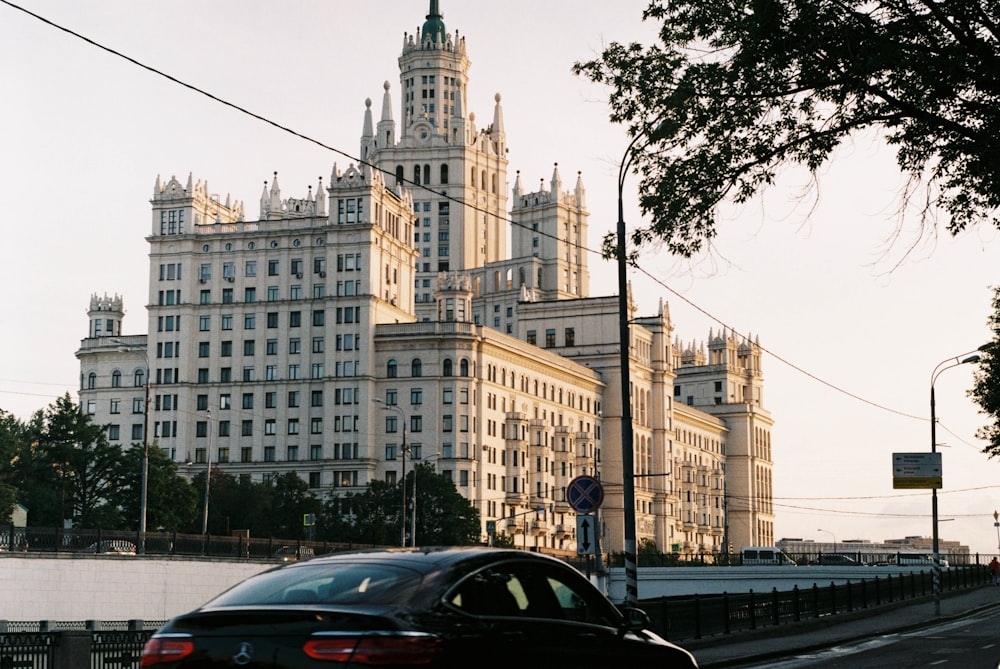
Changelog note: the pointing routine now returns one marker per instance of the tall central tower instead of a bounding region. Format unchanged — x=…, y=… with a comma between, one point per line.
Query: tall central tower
x=456, y=172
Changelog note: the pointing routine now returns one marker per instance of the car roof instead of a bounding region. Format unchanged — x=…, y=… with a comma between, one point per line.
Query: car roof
x=429, y=558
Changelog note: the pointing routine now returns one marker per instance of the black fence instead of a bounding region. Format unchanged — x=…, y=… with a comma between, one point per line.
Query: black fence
x=694, y=617
x=74, y=645
x=52, y=539
x=840, y=558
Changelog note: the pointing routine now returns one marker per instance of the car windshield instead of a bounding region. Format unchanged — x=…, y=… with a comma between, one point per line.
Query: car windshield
x=356, y=583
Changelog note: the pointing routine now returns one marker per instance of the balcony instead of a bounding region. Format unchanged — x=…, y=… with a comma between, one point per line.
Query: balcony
x=539, y=528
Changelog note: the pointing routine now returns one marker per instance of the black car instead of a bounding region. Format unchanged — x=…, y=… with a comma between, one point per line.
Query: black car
x=837, y=560
x=442, y=607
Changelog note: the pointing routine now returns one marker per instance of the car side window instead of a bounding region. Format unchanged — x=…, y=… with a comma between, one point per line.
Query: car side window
x=533, y=591
x=491, y=592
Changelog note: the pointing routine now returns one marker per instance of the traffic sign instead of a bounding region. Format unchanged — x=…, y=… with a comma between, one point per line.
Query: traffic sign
x=585, y=494
x=916, y=470
x=586, y=535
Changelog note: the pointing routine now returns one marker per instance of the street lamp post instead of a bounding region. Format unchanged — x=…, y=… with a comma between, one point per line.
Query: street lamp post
x=208, y=474
x=144, y=480
x=402, y=517
x=834, y=538
x=935, y=543
x=996, y=524
x=628, y=464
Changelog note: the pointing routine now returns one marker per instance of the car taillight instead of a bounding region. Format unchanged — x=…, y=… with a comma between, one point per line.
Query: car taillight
x=160, y=650
x=375, y=650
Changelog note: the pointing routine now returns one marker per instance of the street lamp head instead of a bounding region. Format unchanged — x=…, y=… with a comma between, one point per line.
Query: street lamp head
x=971, y=358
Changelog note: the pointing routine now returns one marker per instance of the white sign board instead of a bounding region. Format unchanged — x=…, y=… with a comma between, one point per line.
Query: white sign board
x=916, y=470
x=586, y=535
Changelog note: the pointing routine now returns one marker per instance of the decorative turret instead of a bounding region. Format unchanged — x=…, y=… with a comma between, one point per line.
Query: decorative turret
x=106, y=314
x=367, y=133
x=386, y=126
x=177, y=208
x=454, y=297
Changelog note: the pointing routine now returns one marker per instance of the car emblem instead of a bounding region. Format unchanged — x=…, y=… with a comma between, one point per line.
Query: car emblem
x=244, y=654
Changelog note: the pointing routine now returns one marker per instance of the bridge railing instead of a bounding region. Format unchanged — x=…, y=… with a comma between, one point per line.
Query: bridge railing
x=72, y=540
x=78, y=644
x=697, y=616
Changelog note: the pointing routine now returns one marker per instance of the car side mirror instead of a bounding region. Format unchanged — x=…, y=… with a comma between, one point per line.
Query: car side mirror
x=633, y=620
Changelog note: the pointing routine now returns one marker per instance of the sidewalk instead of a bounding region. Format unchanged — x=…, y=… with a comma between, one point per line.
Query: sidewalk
x=774, y=642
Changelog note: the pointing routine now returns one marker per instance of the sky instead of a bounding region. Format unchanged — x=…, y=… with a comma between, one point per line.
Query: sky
x=854, y=306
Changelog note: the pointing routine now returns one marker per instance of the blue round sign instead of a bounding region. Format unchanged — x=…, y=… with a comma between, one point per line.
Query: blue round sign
x=585, y=494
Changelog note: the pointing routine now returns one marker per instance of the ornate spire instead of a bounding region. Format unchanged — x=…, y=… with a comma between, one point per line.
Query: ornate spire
x=434, y=29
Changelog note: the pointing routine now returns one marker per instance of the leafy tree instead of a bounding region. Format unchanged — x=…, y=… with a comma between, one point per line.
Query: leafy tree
x=64, y=468
x=84, y=462
x=170, y=499
x=371, y=517
x=232, y=503
x=504, y=540
x=733, y=91
x=444, y=516
x=10, y=433
x=292, y=500
x=986, y=387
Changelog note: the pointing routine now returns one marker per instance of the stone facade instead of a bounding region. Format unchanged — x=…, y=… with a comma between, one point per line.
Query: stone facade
x=270, y=340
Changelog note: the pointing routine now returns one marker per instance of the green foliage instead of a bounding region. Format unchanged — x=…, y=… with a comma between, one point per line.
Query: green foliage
x=986, y=388
x=63, y=468
x=444, y=516
x=170, y=498
x=734, y=91
x=647, y=547
x=504, y=540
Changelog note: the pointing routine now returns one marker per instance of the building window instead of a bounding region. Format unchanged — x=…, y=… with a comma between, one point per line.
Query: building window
x=416, y=396
x=390, y=369
x=416, y=368
x=550, y=338
x=570, y=337
x=532, y=337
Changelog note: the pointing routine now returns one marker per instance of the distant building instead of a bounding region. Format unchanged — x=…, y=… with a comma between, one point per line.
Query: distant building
x=269, y=339
x=923, y=545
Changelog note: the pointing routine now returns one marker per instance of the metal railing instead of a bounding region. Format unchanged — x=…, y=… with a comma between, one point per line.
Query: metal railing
x=74, y=644
x=905, y=558
x=694, y=617
x=54, y=539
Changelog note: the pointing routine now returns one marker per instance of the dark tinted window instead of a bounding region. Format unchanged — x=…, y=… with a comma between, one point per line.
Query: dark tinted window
x=323, y=583
x=518, y=589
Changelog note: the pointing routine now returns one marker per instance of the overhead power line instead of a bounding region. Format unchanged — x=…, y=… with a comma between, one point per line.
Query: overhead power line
x=333, y=149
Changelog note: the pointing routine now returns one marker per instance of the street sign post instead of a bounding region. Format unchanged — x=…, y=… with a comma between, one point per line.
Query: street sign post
x=916, y=470
x=586, y=535
x=585, y=494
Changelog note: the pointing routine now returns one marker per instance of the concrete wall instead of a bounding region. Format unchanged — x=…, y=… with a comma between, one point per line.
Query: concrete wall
x=671, y=581
x=74, y=587
x=71, y=587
